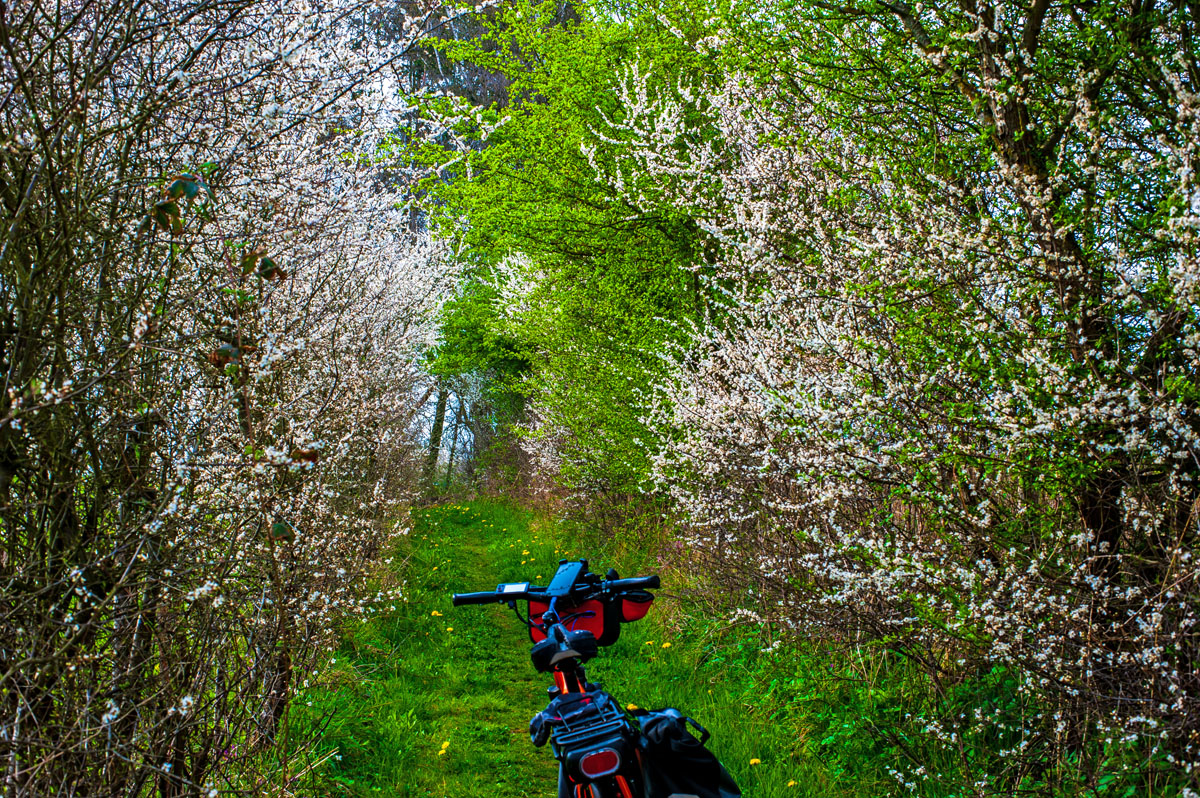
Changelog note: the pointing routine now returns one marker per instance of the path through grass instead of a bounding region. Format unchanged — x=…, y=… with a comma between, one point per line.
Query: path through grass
x=432, y=700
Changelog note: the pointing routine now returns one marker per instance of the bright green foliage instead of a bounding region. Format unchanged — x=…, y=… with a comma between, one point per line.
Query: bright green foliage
x=471, y=340
x=570, y=280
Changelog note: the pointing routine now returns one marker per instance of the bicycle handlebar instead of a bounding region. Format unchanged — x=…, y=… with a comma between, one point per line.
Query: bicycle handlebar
x=506, y=593
x=459, y=599
x=634, y=583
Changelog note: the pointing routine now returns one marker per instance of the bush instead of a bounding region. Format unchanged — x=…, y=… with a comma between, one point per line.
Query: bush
x=212, y=311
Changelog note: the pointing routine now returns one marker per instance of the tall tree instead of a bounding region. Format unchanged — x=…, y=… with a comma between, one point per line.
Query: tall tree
x=950, y=409
x=575, y=286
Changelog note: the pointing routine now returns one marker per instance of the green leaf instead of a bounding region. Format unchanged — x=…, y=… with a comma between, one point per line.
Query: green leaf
x=268, y=269
x=183, y=186
x=250, y=260
x=282, y=530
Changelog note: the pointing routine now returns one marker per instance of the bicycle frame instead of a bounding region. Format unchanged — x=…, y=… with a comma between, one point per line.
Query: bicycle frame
x=592, y=737
x=597, y=736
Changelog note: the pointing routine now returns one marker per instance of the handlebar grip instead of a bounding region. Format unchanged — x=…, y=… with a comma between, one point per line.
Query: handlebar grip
x=635, y=583
x=490, y=597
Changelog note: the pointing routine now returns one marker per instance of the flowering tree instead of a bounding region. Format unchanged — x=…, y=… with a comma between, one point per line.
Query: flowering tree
x=213, y=305
x=949, y=406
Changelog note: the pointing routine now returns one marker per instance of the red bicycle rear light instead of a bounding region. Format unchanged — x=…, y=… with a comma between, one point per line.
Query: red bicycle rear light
x=603, y=762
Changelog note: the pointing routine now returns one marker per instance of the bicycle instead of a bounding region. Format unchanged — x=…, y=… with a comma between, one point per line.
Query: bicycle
x=595, y=741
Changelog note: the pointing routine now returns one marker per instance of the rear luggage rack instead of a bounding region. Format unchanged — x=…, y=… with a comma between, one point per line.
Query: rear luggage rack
x=577, y=738
x=598, y=720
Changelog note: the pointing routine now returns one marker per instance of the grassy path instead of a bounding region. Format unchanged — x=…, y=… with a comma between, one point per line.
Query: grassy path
x=435, y=701
x=431, y=700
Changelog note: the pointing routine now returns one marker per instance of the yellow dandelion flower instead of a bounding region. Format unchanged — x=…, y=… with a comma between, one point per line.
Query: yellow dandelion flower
x=449, y=628
x=631, y=707
x=436, y=614
x=445, y=745
x=756, y=761
x=666, y=645
x=792, y=783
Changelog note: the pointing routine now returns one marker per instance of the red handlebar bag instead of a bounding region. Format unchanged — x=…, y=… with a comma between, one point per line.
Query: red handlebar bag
x=589, y=615
x=634, y=605
x=602, y=618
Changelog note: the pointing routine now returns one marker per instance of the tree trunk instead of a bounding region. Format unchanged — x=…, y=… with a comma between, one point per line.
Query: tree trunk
x=435, y=435
x=453, y=443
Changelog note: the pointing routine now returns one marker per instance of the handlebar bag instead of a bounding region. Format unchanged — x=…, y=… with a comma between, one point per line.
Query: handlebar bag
x=590, y=615
x=676, y=762
x=602, y=618
x=634, y=604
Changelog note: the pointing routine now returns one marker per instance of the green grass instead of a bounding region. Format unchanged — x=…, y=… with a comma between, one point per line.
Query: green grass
x=431, y=700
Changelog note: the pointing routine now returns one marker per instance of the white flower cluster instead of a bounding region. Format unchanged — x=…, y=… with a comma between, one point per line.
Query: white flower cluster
x=955, y=415
x=228, y=402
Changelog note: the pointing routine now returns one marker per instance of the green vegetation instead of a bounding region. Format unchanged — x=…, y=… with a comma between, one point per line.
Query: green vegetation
x=573, y=287
x=408, y=682
x=428, y=678
x=873, y=326
x=895, y=310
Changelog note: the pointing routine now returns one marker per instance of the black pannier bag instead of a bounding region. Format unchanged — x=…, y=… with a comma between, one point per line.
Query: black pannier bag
x=676, y=763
